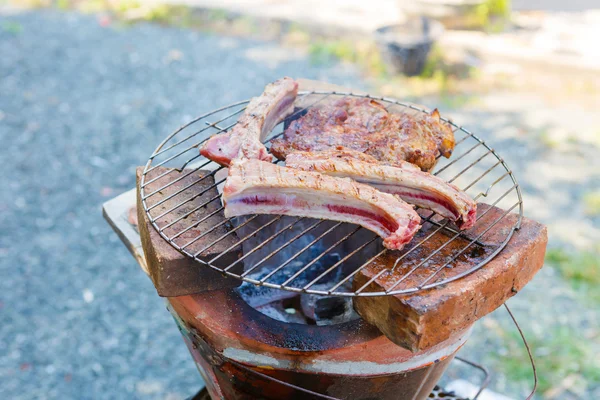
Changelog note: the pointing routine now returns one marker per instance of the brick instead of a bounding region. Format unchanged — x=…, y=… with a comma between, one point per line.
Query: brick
x=423, y=319
x=173, y=273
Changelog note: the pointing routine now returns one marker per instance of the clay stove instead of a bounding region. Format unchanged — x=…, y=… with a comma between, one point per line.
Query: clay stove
x=244, y=354
x=280, y=307
x=254, y=342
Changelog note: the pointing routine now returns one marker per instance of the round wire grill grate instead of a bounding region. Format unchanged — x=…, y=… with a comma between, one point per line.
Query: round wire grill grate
x=321, y=257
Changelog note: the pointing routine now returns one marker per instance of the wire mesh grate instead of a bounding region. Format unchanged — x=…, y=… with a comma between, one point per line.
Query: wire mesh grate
x=314, y=256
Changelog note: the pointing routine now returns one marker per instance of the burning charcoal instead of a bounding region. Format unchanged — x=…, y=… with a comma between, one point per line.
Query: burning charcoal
x=282, y=313
x=282, y=235
x=272, y=241
x=258, y=296
x=327, y=310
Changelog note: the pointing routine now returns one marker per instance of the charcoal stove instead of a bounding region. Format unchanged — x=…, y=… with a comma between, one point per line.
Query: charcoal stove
x=290, y=307
x=260, y=357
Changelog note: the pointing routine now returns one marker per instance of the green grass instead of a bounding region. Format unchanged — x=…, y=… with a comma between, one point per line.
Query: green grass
x=561, y=356
x=457, y=101
x=217, y=14
x=581, y=269
x=324, y=51
x=124, y=10
x=12, y=27
x=30, y=3
x=63, y=4
x=591, y=201
x=546, y=138
x=566, y=357
x=490, y=16
x=364, y=53
x=434, y=64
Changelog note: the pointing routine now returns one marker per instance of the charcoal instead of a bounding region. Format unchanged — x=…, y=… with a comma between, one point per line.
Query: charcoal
x=283, y=238
x=327, y=310
x=279, y=312
x=258, y=296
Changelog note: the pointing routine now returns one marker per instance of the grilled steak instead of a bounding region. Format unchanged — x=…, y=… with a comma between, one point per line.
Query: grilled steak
x=405, y=180
x=260, y=117
x=365, y=125
x=259, y=187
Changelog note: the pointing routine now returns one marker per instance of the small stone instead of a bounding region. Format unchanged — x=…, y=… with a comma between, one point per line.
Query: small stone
x=99, y=162
x=97, y=368
x=88, y=296
x=148, y=387
x=20, y=202
x=173, y=55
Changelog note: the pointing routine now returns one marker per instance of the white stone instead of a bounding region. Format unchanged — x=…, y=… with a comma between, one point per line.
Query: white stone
x=88, y=296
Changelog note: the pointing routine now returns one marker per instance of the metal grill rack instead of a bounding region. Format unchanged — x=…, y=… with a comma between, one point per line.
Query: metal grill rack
x=475, y=167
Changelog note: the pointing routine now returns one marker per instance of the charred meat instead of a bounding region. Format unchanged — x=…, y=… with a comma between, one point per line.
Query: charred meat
x=366, y=126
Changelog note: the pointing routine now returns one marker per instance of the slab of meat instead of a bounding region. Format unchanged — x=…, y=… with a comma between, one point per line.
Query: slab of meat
x=259, y=187
x=262, y=114
x=405, y=180
x=365, y=125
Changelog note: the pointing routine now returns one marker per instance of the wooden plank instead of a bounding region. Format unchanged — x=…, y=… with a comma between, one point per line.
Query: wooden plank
x=118, y=212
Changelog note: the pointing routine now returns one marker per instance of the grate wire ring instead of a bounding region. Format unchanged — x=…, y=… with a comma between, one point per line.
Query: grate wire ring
x=475, y=168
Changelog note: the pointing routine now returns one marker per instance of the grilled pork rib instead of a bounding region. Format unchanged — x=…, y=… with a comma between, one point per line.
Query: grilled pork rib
x=262, y=114
x=365, y=125
x=404, y=180
x=259, y=187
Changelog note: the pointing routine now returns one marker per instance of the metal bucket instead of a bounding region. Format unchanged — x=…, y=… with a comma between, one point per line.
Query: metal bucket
x=405, y=47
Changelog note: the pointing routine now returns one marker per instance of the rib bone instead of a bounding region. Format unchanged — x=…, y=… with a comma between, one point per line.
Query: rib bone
x=260, y=117
x=404, y=180
x=258, y=187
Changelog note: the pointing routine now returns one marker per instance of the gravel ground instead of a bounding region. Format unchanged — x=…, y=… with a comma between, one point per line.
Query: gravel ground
x=81, y=105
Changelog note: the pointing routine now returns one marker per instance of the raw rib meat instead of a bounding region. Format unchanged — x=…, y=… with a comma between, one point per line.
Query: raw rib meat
x=259, y=187
x=262, y=114
x=365, y=125
x=405, y=180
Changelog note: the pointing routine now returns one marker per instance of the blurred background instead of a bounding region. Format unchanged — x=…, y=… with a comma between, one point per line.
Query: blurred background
x=88, y=88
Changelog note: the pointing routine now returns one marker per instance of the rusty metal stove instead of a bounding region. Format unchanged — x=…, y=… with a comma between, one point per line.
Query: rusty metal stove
x=408, y=331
